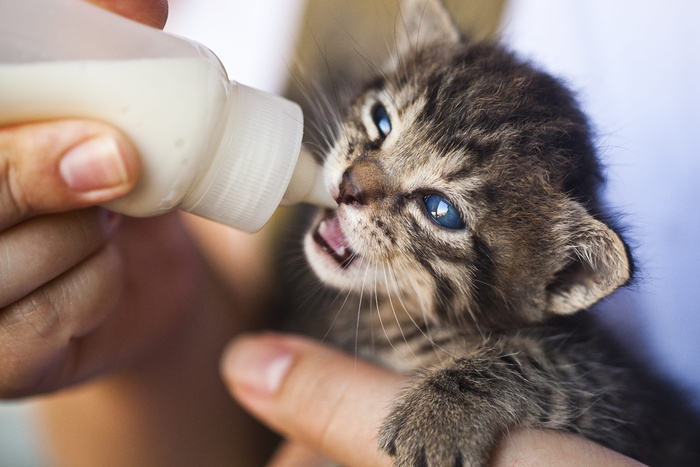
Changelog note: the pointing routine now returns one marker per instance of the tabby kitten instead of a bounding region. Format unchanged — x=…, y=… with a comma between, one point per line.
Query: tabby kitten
x=469, y=240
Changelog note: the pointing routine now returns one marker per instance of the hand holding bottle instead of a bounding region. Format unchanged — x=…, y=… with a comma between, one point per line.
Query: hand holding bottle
x=208, y=145
x=125, y=305
x=78, y=291
x=204, y=144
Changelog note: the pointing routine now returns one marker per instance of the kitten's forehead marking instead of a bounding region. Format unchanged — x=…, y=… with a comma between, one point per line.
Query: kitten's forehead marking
x=407, y=154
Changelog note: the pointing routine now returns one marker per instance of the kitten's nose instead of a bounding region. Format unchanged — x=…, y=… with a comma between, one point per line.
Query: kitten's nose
x=361, y=183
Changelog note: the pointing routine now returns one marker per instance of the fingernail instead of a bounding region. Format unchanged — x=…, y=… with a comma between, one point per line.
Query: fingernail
x=258, y=364
x=96, y=164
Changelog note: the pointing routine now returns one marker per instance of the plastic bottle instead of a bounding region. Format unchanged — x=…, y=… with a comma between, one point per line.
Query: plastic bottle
x=209, y=146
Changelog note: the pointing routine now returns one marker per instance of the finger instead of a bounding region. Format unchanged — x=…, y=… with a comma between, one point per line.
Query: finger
x=42, y=344
x=151, y=12
x=39, y=250
x=63, y=165
x=296, y=455
x=314, y=395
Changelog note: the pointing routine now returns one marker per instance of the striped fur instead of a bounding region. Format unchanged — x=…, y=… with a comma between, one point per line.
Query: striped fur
x=491, y=318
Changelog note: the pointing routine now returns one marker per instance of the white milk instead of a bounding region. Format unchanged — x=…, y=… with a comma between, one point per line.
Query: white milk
x=181, y=114
x=208, y=145
x=165, y=106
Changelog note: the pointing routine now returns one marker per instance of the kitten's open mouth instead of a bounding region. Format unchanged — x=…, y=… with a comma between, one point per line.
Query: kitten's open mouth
x=330, y=237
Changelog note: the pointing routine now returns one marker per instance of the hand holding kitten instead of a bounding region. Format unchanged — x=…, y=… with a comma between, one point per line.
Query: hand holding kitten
x=327, y=403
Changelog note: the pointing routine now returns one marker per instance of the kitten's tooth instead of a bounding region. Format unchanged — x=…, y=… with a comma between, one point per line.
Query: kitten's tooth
x=323, y=228
x=340, y=251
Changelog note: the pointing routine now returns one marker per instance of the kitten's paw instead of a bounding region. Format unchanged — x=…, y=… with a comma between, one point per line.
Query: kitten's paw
x=440, y=422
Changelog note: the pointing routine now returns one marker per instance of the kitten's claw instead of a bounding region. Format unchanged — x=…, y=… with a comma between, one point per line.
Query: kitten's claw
x=433, y=425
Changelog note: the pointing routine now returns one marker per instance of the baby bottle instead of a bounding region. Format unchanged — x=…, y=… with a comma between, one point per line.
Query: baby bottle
x=208, y=145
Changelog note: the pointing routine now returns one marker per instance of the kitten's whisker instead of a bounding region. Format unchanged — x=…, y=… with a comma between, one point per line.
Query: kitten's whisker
x=296, y=263
x=379, y=312
x=337, y=313
x=376, y=302
x=359, y=311
x=324, y=101
x=348, y=294
x=408, y=313
x=424, y=330
x=396, y=318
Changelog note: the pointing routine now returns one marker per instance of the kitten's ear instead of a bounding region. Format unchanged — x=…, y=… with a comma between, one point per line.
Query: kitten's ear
x=594, y=262
x=423, y=22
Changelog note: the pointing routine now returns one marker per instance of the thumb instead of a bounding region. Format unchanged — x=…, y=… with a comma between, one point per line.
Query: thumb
x=313, y=395
x=62, y=165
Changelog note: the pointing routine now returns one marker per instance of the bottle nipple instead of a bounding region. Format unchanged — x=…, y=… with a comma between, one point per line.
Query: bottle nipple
x=308, y=184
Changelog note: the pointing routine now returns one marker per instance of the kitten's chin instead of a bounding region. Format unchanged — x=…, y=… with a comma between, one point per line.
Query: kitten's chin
x=328, y=250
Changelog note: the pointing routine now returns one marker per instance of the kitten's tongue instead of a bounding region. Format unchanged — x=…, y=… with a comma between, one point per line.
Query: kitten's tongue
x=330, y=238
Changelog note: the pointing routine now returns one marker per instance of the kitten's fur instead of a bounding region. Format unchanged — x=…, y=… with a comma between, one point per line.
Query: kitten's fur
x=487, y=316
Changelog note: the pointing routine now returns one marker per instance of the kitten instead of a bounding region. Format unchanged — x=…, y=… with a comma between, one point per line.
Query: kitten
x=467, y=244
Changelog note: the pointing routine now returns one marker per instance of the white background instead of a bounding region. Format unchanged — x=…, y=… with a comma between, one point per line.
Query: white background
x=636, y=67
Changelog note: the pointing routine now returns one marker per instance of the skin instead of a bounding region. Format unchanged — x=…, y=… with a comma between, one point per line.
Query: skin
x=127, y=317
x=283, y=379
x=117, y=324
x=151, y=12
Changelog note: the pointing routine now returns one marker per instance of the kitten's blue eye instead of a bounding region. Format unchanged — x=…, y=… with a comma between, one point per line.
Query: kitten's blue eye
x=380, y=117
x=443, y=212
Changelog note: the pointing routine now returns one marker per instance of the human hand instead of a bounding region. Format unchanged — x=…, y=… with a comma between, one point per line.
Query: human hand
x=87, y=293
x=82, y=290
x=151, y=12
x=329, y=404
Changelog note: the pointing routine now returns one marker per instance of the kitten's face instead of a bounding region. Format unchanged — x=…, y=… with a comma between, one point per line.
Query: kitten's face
x=397, y=205
x=454, y=179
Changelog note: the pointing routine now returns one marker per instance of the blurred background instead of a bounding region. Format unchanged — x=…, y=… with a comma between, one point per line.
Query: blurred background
x=635, y=65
